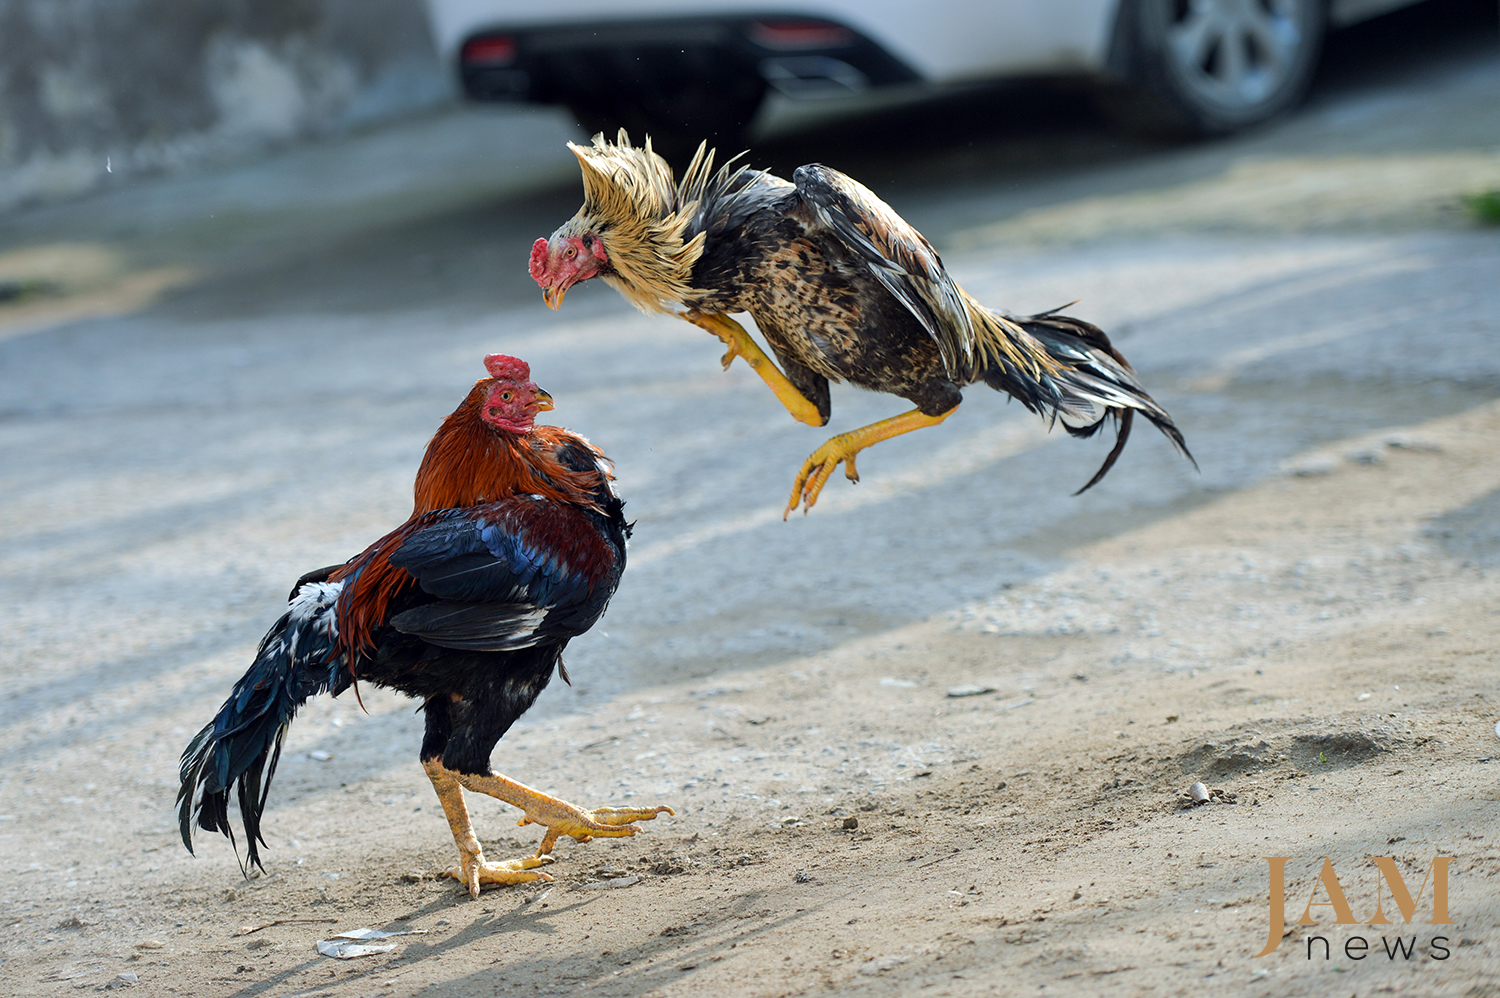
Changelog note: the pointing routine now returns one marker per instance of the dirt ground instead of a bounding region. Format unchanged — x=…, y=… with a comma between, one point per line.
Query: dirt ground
x=1318, y=650
x=872, y=797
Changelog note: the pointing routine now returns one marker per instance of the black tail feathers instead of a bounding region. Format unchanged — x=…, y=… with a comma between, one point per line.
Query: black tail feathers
x=241, y=746
x=1090, y=382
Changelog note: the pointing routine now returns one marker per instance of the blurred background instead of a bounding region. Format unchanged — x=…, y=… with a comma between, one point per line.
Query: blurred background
x=289, y=229
x=93, y=92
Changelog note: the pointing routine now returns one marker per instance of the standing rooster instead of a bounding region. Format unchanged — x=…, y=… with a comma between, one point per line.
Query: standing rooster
x=515, y=545
x=842, y=289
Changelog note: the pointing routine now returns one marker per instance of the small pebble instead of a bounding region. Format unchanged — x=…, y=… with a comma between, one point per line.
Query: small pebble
x=1198, y=792
x=1401, y=441
x=881, y=964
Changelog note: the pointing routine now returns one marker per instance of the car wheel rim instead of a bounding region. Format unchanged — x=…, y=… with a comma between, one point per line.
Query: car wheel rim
x=1237, y=54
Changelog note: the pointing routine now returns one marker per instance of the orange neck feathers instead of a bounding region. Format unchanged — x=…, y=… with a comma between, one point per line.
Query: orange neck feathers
x=469, y=462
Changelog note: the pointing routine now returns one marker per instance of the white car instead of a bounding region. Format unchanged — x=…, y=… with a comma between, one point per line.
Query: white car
x=684, y=70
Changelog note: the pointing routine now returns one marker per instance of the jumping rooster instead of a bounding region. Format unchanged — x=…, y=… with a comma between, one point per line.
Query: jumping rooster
x=842, y=288
x=515, y=545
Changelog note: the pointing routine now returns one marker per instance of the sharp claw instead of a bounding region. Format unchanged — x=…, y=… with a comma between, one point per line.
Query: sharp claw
x=548, y=841
x=560, y=818
x=815, y=472
x=814, y=486
x=796, y=499
x=473, y=872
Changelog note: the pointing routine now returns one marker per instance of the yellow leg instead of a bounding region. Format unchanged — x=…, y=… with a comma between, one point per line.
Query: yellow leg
x=472, y=870
x=741, y=345
x=821, y=462
x=560, y=817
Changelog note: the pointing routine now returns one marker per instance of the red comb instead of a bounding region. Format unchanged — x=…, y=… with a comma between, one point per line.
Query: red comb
x=538, y=264
x=503, y=368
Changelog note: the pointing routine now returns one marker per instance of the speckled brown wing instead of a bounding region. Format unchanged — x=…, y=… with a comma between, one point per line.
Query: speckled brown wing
x=899, y=257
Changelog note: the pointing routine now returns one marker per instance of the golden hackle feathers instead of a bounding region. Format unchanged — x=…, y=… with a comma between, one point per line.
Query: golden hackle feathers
x=998, y=340
x=632, y=204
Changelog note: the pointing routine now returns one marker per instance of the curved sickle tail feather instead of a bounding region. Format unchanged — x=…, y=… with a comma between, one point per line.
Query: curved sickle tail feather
x=297, y=659
x=1066, y=370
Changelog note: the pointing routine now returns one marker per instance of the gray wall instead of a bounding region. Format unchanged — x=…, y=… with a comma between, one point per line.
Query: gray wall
x=162, y=84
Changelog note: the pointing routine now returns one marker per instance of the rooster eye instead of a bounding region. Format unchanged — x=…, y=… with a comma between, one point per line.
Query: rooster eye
x=571, y=252
x=505, y=396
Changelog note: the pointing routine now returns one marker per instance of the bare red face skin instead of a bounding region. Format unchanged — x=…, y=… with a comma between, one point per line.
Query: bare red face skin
x=513, y=400
x=564, y=261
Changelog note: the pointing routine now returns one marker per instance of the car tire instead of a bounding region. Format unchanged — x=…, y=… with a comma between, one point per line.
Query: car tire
x=1195, y=68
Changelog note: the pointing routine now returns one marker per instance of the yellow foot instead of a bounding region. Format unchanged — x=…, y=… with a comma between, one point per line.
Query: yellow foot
x=730, y=333
x=562, y=818
x=733, y=347
x=738, y=343
x=816, y=470
x=474, y=872
x=842, y=448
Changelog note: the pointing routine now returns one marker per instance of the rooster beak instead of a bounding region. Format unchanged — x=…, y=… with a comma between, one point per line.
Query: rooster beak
x=543, y=401
x=554, y=296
